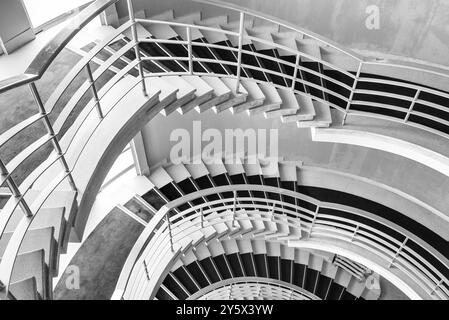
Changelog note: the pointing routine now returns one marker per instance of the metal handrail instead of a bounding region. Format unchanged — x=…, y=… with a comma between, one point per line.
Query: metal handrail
x=358, y=234
x=63, y=145
x=287, y=290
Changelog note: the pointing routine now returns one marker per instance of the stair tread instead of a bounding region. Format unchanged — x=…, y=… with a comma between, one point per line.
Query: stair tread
x=287, y=40
x=35, y=239
x=310, y=47
x=306, y=110
x=25, y=289
x=189, y=19
x=323, y=117
x=255, y=96
x=236, y=97
x=272, y=99
x=261, y=34
x=289, y=104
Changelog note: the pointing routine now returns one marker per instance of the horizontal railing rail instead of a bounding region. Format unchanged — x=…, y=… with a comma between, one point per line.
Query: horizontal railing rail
x=313, y=220
x=260, y=287
x=62, y=133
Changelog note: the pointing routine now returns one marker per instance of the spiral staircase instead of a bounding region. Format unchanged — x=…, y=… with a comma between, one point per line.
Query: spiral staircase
x=224, y=228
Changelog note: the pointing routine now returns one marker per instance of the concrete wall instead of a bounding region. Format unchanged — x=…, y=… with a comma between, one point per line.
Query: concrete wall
x=411, y=28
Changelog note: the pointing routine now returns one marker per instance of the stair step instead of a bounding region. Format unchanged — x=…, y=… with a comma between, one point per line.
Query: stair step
x=310, y=47
x=323, y=117
x=32, y=264
x=236, y=98
x=264, y=35
x=160, y=31
x=255, y=97
x=286, y=39
x=221, y=93
x=306, y=110
x=272, y=99
x=185, y=94
x=289, y=104
x=215, y=22
x=189, y=19
x=203, y=93
x=36, y=239
x=25, y=289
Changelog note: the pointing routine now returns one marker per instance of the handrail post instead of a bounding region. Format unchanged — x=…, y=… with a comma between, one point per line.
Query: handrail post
x=169, y=231
x=15, y=190
x=436, y=287
x=412, y=105
x=189, y=49
x=202, y=218
x=355, y=233
x=295, y=72
x=398, y=252
x=94, y=91
x=52, y=134
x=146, y=269
x=234, y=208
x=351, y=95
x=136, y=45
x=239, y=54
x=313, y=221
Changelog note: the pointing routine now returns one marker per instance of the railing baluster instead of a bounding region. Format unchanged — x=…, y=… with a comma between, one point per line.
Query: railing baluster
x=52, y=134
x=94, y=91
x=202, y=218
x=189, y=49
x=136, y=46
x=295, y=72
x=351, y=95
x=15, y=190
x=355, y=233
x=167, y=217
x=146, y=269
x=239, y=54
x=412, y=105
x=398, y=252
x=314, y=219
x=234, y=208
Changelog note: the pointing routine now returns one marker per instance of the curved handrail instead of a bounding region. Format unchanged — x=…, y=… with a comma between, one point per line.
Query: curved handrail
x=47, y=55
x=404, y=258
x=49, y=52
x=287, y=290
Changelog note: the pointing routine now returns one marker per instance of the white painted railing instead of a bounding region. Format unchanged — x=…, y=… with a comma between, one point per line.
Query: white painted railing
x=55, y=131
x=162, y=241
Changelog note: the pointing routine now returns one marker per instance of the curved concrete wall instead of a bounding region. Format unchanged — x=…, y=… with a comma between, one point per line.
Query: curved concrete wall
x=414, y=29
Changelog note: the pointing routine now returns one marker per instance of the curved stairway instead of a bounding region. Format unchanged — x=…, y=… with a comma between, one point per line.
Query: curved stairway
x=189, y=63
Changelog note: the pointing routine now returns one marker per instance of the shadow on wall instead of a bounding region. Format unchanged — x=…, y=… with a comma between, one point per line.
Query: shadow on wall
x=410, y=28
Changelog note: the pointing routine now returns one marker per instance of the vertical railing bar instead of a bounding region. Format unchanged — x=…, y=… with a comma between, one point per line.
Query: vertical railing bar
x=189, y=49
x=351, y=95
x=52, y=134
x=355, y=233
x=136, y=46
x=239, y=54
x=412, y=105
x=295, y=72
x=398, y=252
x=94, y=91
x=202, y=218
x=314, y=219
x=15, y=190
x=146, y=269
x=436, y=287
x=234, y=209
x=169, y=231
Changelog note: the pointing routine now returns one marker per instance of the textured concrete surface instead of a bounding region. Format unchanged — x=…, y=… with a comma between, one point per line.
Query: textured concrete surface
x=100, y=259
x=410, y=28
